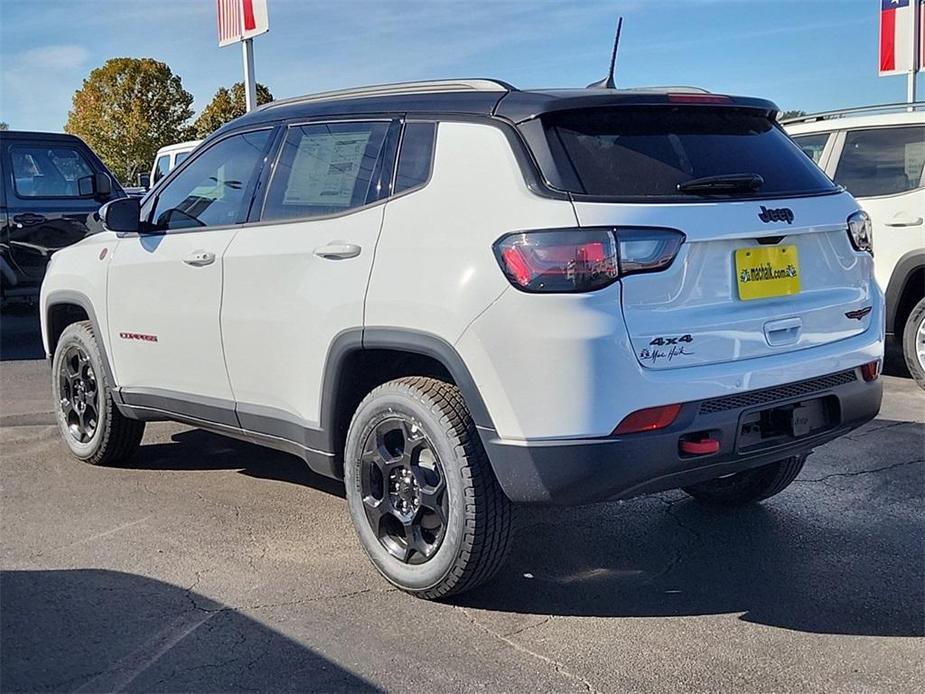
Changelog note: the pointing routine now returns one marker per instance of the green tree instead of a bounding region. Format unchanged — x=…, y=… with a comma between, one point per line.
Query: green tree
x=127, y=109
x=4, y=126
x=792, y=114
x=226, y=105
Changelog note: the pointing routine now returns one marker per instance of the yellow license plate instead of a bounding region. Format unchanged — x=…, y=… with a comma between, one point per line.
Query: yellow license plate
x=767, y=271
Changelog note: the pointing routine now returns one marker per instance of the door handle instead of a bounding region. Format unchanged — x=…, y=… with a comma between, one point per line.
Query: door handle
x=338, y=250
x=28, y=219
x=904, y=219
x=199, y=258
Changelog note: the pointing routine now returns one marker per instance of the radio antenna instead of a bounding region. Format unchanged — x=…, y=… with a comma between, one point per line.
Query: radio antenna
x=608, y=82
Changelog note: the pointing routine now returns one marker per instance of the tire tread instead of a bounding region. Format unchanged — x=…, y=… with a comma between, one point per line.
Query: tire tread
x=487, y=536
x=121, y=436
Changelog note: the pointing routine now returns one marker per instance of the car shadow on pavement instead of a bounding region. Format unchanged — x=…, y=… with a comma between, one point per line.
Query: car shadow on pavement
x=197, y=449
x=95, y=630
x=833, y=556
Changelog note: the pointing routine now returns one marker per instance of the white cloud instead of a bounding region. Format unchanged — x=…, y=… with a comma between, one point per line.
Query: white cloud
x=53, y=58
x=40, y=81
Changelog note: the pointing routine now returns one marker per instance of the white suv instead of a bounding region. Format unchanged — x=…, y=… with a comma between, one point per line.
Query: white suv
x=458, y=295
x=878, y=154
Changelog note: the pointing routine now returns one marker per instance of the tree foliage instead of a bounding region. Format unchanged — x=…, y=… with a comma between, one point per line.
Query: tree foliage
x=226, y=105
x=792, y=114
x=127, y=109
x=4, y=126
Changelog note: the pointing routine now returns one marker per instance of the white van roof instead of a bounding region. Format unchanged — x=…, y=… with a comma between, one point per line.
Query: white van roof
x=178, y=147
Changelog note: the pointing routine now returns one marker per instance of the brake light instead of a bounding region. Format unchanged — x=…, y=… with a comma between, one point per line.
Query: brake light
x=582, y=260
x=649, y=419
x=871, y=371
x=699, y=99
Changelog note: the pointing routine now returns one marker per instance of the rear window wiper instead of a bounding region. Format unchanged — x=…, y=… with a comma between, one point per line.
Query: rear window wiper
x=727, y=183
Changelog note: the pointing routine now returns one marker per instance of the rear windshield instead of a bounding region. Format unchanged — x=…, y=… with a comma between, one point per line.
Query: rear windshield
x=644, y=153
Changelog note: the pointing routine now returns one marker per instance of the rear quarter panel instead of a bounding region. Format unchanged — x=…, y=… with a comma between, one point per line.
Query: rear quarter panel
x=435, y=269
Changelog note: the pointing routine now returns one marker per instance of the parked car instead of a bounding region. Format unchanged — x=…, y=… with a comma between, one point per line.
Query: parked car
x=168, y=158
x=458, y=296
x=877, y=153
x=51, y=184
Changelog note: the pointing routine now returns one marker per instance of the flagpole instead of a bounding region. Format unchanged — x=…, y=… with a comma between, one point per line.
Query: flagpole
x=914, y=66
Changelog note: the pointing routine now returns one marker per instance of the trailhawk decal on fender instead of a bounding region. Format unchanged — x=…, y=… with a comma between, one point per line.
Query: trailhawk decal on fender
x=138, y=336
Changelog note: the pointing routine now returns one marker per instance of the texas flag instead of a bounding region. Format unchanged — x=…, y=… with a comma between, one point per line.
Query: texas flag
x=897, y=35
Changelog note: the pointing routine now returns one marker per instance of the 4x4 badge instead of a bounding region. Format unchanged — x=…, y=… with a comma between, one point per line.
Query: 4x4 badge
x=781, y=214
x=859, y=314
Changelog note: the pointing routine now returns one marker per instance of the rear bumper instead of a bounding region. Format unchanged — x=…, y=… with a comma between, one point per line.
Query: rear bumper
x=570, y=472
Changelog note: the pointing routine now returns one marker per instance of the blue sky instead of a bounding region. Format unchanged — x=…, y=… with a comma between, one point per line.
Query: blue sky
x=807, y=54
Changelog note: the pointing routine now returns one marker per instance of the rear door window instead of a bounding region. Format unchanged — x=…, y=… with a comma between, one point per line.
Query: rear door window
x=882, y=161
x=644, y=153
x=326, y=169
x=812, y=145
x=48, y=172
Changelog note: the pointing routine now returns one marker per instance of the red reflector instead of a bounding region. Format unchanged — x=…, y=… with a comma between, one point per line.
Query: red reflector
x=699, y=99
x=871, y=371
x=650, y=419
x=702, y=447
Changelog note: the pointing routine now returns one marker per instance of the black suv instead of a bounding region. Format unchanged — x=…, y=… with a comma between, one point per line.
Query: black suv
x=51, y=184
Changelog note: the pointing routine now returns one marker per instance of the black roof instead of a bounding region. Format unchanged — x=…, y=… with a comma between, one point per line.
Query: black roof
x=32, y=135
x=501, y=101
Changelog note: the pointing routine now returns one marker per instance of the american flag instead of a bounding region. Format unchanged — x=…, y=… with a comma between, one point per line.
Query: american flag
x=240, y=19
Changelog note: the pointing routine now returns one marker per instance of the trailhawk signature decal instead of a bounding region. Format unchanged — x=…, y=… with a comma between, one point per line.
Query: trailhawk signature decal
x=859, y=314
x=138, y=336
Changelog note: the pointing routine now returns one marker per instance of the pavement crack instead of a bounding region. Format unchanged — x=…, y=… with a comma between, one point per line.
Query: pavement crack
x=859, y=434
x=556, y=665
x=858, y=473
x=528, y=627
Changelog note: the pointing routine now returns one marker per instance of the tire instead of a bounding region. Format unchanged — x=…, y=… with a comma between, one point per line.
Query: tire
x=413, y=453
x=914, y=343
x=749, y=486
x=90, y=424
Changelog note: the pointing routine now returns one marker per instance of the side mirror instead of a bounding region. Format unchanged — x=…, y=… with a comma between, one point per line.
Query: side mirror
x=97, y=185
x=122, y=215
x=144, y=180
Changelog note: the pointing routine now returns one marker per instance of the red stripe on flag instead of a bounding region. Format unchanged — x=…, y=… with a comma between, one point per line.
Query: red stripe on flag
x=249, y=22
x=887, y=40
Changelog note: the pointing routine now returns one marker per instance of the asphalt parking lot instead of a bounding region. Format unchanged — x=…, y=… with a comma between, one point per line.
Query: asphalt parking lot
x=207, y=564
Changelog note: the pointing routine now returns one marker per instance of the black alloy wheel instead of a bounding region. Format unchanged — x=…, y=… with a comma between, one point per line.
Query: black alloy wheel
x=78, y=394
x=404, y=489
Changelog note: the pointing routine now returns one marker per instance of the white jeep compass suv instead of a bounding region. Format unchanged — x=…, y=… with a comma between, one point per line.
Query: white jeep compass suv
x=457, y=296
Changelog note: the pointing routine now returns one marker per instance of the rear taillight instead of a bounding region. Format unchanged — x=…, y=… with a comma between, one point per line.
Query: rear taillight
x=860, y=232
x=649, y=419
x=582, y=260
x=871, y=371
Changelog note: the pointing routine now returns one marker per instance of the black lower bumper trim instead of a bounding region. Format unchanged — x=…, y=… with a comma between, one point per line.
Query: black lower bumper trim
x=570, y=472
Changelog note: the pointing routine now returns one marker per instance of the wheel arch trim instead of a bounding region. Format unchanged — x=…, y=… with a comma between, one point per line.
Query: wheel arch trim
x=399, y=340
x=69, y=296
x=903, y=271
